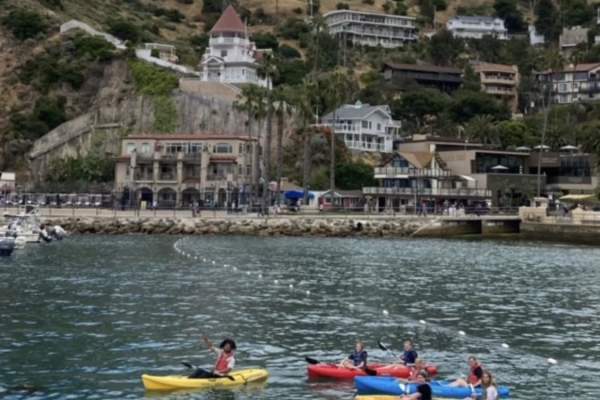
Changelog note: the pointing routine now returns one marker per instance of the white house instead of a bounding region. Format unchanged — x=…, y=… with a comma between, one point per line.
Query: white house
x=477, y=27
x=535, y=38
x=572, y=84
x=7, y=182
x=365, y=127
x=372, y=29
x=231, y=57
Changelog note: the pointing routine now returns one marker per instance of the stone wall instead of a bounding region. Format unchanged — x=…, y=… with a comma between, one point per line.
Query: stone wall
x=336, y=227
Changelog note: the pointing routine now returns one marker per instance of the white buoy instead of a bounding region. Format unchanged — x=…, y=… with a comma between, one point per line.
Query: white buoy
x=276, y=281
x=422, y=321
x=259, y=276
x=552, y=361
x=386, y=313
x=308, y=292
x=204, y=260
x=214, y=262
x=226, y=265
x=461, y=333
x=351, y=305
x=235, y=268
x=291, y=286
x=505, y=345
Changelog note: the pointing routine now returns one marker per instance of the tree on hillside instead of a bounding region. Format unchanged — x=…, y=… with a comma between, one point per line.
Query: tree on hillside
x=508, y=11
x=415, y=106
x=576, y=12
x=471, y=79
x=24, y=24
x=547, y=22
x=469, y=104
x=444, y=49
x=283, y=110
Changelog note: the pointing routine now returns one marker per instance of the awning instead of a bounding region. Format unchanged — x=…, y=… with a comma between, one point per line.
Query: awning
x=467, y=178
x=579, y=197
x=297, y=195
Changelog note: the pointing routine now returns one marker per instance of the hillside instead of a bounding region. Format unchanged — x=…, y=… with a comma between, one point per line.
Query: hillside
x=47, y=78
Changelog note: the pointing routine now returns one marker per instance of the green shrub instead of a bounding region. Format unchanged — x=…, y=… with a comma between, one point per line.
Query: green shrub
x=291, y=72
x=47, y=114
x=91, y=168
x=170, y=14
x=369, y=2
x=297, y=10
x=124, y=30
x=342, y=6
x=50, y=70
x=185, y=1
x=150, y=80
x=165, y=114
x=93, y=47
x=24, y=24
x=288, y=52
x=265, y=40
x=293, y=28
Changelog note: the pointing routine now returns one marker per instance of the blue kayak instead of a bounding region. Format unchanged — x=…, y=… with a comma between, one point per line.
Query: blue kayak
x=387, y=385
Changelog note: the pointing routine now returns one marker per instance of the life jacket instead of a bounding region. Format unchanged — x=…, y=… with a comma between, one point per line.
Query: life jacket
x=222, y=364
x=472, y=377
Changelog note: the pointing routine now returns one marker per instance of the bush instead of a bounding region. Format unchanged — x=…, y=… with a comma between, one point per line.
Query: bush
x=92, y=168
x=291, y=72
x=297, y=10
x=124, y=30
x=265, y=40
x=170, y=14
x=209, y=21
x=50, y=70
x=342, y=6
x=93, y=47
x=293, y=28
x=369, y=2
x=185, y=1
x=288, y=52
x=48, y=113
x=24, y=24
x=150, y=80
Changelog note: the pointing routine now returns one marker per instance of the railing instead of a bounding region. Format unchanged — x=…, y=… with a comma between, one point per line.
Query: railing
x=573, y=180
x=458, y=192
x=357, y=145
x=411, y=172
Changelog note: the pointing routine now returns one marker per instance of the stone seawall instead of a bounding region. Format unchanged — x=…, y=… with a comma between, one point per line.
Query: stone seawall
x=297, y=226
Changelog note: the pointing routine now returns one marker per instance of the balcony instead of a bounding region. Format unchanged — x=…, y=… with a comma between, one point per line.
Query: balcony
x=364, y=146
x=392, y=172
x=432, y=192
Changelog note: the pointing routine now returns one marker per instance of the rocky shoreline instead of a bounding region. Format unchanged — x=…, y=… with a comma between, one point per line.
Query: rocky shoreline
x=298, y=226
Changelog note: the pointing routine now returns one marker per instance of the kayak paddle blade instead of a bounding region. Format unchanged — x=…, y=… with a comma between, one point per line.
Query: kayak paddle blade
x=311, y=360
x=187, y=364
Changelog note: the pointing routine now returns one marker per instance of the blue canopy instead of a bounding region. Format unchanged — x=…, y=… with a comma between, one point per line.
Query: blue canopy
x=297, y=195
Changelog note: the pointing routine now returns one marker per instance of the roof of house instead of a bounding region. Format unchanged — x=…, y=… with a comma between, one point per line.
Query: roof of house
x=190, y=136
x=480, y=67
x=355, y=111
x=423, y=68
x=475, y=19
x=418, y=159
x=586, y=67
x=229, y=21
x=344, y=193
x=7, y=176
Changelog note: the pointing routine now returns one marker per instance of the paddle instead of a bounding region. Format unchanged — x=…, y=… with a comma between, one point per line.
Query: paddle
x=384, y=348
x=312, y=361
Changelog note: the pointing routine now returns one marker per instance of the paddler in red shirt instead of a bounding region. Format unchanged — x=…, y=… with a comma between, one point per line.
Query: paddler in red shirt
x=475, y=375
x=224, y=363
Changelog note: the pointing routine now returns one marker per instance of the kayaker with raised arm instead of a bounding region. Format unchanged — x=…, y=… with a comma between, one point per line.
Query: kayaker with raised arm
x=225, y=359
x=475, y=375
x=358, y=358
x=423, y=389
x=409, y=357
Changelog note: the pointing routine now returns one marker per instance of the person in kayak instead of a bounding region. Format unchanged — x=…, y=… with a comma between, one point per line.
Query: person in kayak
x=225, y=360
x=423, y=389
x=358, y=358
x=418, y=367
x=475, y=375
x=410, y=355
x=488, y=387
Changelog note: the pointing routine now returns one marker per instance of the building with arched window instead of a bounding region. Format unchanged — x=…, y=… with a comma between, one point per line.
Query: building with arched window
x=181, y=170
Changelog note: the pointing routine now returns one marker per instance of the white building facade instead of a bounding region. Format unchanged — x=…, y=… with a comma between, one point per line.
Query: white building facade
x=372, y=29
x=365, y=127
x=231, y=57
x=574, y=83
x=477, y=27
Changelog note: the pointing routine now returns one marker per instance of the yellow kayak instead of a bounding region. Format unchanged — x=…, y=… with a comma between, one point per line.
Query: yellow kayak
x=175, y=382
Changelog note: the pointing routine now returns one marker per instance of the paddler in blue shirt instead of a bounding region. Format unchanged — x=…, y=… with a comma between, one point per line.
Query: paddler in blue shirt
x=409, y=357
x=358, y=358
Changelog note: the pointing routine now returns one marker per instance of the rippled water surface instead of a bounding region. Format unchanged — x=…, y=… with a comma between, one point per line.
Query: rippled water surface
x=86, y=317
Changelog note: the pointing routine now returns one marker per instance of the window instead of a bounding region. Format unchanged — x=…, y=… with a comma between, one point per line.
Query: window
x=146, y=148
x=378, y=126
x=223, y=53
x=130, y=148
x=241, y=150
x=365, y=124
x=223, y=148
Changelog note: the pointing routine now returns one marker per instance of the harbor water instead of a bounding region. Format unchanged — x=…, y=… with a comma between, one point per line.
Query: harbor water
x=84, y=318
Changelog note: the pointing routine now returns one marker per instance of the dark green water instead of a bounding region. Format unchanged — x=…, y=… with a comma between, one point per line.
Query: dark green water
x=86, y=317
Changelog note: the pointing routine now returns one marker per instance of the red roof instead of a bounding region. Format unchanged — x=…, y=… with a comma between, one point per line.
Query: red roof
x=230, y=22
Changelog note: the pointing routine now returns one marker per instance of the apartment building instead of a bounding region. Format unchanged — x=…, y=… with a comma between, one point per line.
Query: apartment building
x=446, y=79
x=372, y=29
x=501, y=81
x=580, y=82
x=476, y=27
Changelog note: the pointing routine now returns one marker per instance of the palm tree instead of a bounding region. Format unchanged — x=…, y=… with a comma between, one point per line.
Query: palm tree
x=252, y=101
x=283, y=109
x=339, y=87
x=268, y=69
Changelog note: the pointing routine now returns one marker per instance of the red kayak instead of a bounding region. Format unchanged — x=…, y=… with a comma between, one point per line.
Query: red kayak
x=334, y=371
